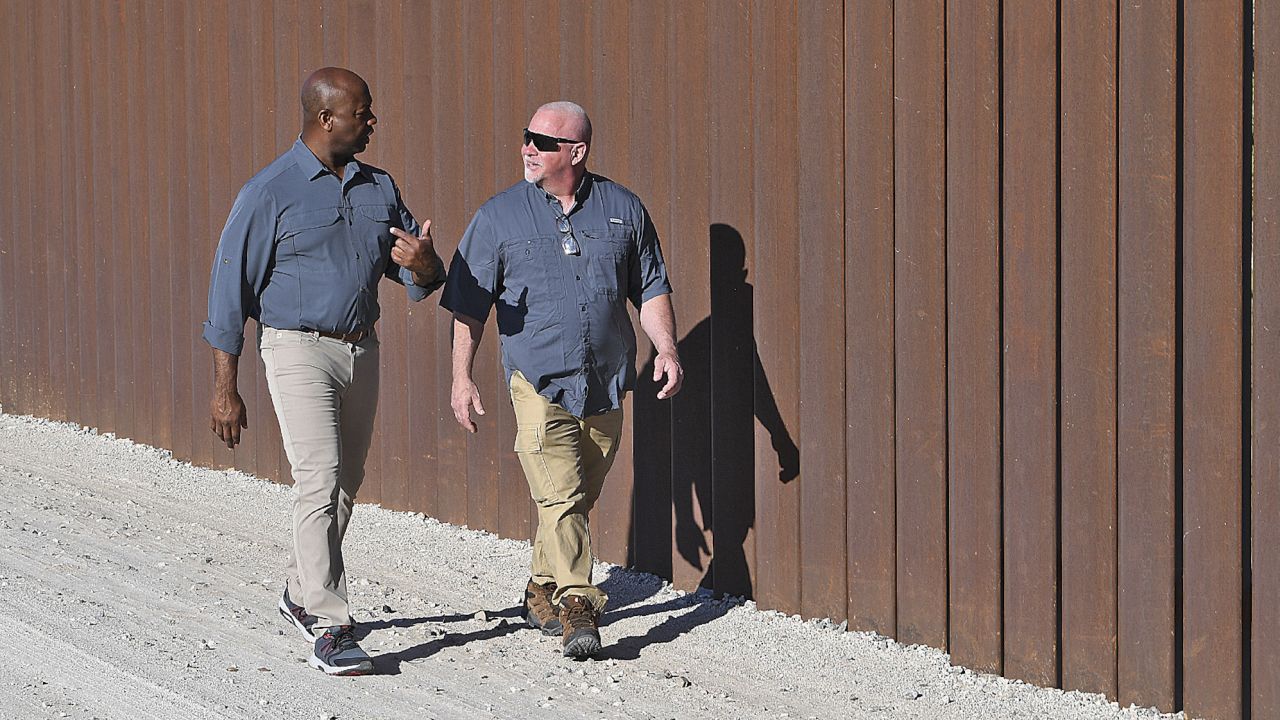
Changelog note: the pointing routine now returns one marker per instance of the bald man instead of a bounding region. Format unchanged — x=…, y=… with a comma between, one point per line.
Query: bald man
x=560, y=255
x=304, y=248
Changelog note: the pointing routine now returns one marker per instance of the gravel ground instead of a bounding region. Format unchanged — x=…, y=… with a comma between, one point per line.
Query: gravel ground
x=136, y=586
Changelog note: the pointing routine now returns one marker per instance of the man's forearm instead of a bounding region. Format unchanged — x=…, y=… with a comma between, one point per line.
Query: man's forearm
x=467, y=333
x=658, y=319
x=226, y=370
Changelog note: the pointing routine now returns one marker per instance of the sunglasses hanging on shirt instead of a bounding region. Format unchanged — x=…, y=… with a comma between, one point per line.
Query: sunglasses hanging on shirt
x=568, y=242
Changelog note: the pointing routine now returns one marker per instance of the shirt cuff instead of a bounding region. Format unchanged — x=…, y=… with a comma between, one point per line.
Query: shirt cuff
x=655, y=291
x=231, y=343
x=418, y=292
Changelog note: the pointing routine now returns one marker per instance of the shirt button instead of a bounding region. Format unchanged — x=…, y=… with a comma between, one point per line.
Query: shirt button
x=357, y=256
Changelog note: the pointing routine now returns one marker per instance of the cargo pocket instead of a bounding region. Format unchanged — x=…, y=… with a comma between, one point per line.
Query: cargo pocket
x=528, y=439
x=529, y=450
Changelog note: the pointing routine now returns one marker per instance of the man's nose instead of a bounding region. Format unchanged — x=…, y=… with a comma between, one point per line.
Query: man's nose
x=373, y=119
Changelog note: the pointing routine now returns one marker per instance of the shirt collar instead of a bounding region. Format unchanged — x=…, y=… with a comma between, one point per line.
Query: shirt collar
x=579, y=196
x=313, y=168
x=306, y=160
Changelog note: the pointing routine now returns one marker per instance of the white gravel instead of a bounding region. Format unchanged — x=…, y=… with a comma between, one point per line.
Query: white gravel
x=135, y=586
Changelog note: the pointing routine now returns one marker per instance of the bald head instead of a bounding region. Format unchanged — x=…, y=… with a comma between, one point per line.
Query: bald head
x=572, y=119
x=337, y=115
x=329, y=88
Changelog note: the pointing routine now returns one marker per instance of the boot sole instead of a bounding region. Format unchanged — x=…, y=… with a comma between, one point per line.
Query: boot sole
x=583, y=646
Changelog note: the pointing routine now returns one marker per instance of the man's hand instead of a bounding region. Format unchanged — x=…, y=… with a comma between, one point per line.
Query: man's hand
x=228, y=417
x=417, y=254
x=464, y=397
x=668, y=364
x=226, y=409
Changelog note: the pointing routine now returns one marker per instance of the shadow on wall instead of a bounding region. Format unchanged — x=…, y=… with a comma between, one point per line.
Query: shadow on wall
x=697, y=453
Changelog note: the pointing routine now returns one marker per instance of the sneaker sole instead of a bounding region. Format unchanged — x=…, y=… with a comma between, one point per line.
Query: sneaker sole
x=284, y=611
x=363, y=668
x=582, y=647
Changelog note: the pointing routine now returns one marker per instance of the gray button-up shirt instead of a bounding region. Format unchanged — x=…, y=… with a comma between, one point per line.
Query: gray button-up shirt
x=305, y=249
x=562, y=317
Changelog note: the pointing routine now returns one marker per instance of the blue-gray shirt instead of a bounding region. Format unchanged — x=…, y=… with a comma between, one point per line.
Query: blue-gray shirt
x=305, y=249
x=562, y=318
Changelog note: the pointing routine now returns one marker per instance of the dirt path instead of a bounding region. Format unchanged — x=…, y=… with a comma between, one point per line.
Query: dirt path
x=133, y=586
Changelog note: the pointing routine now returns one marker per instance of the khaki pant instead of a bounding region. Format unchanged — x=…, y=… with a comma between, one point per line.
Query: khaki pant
x=325, y=393
x=565, y=459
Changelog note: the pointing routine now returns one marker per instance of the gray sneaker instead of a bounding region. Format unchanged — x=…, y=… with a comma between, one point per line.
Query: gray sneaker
x=297, y=616
x=337, y=653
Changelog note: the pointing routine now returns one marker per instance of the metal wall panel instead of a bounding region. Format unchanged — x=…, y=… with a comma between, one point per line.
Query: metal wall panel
x=1087, y=328
x=777, y=230
x=920, y=324
x=1147, y=343
x=1213, y=639
x=1264, y=642
x=870, y=521
x=1030, y=384
x=973, y=336
x=964, y=297
x=822, y=374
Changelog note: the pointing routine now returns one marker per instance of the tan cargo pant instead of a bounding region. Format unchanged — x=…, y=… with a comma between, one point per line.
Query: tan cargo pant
x=565, y=459
x=325, y=393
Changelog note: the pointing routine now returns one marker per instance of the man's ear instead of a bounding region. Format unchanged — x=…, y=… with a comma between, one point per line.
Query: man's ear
x=326, y=119
x=578, y=154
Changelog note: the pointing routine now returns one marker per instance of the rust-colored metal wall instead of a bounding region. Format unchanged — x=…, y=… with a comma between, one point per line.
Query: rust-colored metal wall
x=978, y=301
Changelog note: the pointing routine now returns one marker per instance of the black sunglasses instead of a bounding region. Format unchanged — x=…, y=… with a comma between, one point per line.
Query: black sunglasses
x=545, y=143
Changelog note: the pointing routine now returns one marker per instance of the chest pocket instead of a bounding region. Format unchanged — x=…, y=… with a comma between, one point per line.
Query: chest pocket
x=607, y=254
x=373, y=230
x=300, y=222
x=531, y=268
x=308, y=237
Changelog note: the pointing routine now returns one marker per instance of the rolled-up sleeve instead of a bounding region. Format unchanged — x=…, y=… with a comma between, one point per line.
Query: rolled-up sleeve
x=648, y=271
x=473, y=272
x=402, y=275
x=240, y=268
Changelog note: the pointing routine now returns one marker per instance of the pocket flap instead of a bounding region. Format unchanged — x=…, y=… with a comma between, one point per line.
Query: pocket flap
x=379, y=213
x=528, y=439
x=295, y=223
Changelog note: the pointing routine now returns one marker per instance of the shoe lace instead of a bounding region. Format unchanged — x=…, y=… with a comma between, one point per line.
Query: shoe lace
x=579, y=613
x=341, y=638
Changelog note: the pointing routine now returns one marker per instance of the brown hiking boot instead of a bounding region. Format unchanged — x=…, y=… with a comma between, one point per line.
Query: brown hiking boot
x=538, y=610
x=581, y=633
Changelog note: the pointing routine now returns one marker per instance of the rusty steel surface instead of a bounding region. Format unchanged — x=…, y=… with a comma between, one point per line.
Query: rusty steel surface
x=1265, y=378
x=1146, y=476
x=1029, y=315
x=920, y=326
x=1213, y=625
x=1087, y=327
x=975, y=637
x=977, y=303
x=869, y=317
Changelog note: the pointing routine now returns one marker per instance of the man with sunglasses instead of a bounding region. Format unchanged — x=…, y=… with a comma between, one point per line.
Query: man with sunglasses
x=308, y=240
x=559, y=255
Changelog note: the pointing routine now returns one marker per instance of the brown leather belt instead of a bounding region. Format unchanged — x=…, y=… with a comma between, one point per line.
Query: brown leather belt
x=351, y=337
